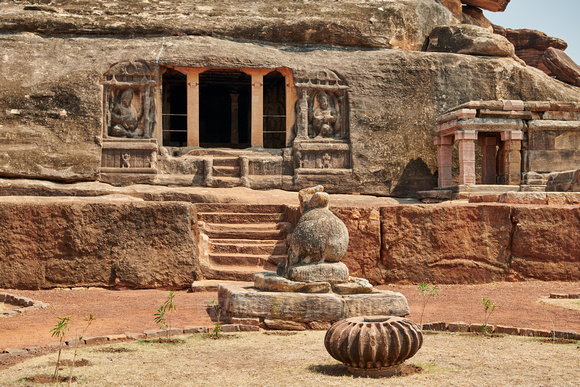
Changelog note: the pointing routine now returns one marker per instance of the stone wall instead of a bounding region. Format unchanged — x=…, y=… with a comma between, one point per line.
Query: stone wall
x=57, y=242
x=479, y=243
x=54, y=243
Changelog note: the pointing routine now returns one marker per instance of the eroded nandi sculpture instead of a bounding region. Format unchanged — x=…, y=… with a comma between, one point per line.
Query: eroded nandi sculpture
x=318, y=243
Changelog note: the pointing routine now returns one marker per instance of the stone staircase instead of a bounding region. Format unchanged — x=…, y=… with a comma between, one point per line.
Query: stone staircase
x=241, y=239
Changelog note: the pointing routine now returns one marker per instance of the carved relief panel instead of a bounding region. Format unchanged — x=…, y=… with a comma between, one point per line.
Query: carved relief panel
x=321, y=107
x=129, y=99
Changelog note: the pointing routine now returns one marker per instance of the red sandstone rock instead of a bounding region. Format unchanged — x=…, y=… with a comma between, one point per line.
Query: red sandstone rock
x=530, y=45
x=475, y=16
x=562, y=66
x=455, y=6
x=490, y=5
x=469, y=40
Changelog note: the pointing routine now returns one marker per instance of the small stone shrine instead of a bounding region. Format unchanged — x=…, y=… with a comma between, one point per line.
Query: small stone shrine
x=311, y=285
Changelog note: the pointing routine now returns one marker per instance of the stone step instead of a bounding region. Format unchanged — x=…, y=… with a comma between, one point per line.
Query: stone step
x=226, y=162
x=237, y=247
x=237, y=217
x=226, y=171
x=243, y=260
x=236, y=273
x=240, y=208
x=246, y=231
x=225, y=182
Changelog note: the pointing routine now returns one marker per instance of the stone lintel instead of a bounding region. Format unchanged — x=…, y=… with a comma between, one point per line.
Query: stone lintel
x=443, y=140
x=513, y=104
x=466, y=135
x=496, y=105
x=246, y=301
x=554, y=125
x=459, y=114
x=491, y=124
x=522, y=115
x=447, y=128
x=537, y=106
x=512, y=135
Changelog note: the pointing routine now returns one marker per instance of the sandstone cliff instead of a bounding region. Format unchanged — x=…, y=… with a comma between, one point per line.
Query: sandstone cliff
x=51, y=103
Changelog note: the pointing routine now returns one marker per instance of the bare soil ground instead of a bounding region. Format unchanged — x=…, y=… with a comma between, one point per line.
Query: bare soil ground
x=123, y=311
x=257, y=359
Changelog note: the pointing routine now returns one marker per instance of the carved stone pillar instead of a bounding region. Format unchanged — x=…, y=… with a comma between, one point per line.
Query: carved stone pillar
x=257, y=136
x=234, y=136
x=512, y=157
x=488, y=161
x=466, y=139
x=444, y=160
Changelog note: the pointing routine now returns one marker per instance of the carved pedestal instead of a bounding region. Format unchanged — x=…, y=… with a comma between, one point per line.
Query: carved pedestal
x=128, y=160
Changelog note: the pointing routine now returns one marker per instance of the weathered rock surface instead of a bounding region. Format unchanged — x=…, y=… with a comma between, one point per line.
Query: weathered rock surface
x=490, y=5
x=530, y=45
x=401, y=24
x=241, y=300
x=469, y=40
x=97, y=242
x=475, y=16
x=479, y=243
x=392, y=149
x=455, y=6
x=51, y=100
x=541, y=250
x=562, y=66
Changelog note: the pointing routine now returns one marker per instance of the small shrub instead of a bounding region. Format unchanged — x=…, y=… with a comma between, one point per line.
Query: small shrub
x=488, y=308
x=166, y=308
x=427, y=292
x=59, y=331
x=217, y=329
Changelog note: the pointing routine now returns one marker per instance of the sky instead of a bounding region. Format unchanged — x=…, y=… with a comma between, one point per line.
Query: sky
x=557, y=18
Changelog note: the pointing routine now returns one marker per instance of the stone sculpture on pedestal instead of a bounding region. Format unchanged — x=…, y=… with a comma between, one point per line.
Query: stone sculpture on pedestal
x=311, y=286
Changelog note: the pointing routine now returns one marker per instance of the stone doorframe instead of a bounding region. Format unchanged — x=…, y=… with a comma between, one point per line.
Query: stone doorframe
x=257, y=101
x=466, y=125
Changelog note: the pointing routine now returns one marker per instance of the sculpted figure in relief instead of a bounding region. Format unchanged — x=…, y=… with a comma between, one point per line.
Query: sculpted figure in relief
x=325, y=116
x=124, y=120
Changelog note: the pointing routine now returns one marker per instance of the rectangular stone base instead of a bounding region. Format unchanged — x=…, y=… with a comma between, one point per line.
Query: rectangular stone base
x=243, y=300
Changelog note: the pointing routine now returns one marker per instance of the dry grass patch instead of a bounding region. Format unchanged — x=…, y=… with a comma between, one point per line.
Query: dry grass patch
x=566, y=303
x=258, y=359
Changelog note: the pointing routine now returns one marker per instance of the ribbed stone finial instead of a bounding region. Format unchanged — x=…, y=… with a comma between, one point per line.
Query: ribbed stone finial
x=374, y=346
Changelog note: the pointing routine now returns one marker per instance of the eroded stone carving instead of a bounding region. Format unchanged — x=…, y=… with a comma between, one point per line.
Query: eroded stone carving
x=318, y=243
x=321, y=106
x=130, y=89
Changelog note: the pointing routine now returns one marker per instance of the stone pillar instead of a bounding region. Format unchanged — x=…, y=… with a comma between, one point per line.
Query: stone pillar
x=257, y=123
x=488, y=161
x=444, y=160
x=291, y=98
x=512, y=157
x=245, y=170
x=192, y=103
x=466, y=139
x=208, y=172
x=158, y=134
x=234, y=136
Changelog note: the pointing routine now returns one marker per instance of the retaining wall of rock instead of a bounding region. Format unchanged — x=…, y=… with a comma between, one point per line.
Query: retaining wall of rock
x=54, y=243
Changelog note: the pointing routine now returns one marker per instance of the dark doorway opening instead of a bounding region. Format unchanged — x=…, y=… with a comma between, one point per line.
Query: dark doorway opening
x=274, y=110
x=224, y=108
x=174, y=108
